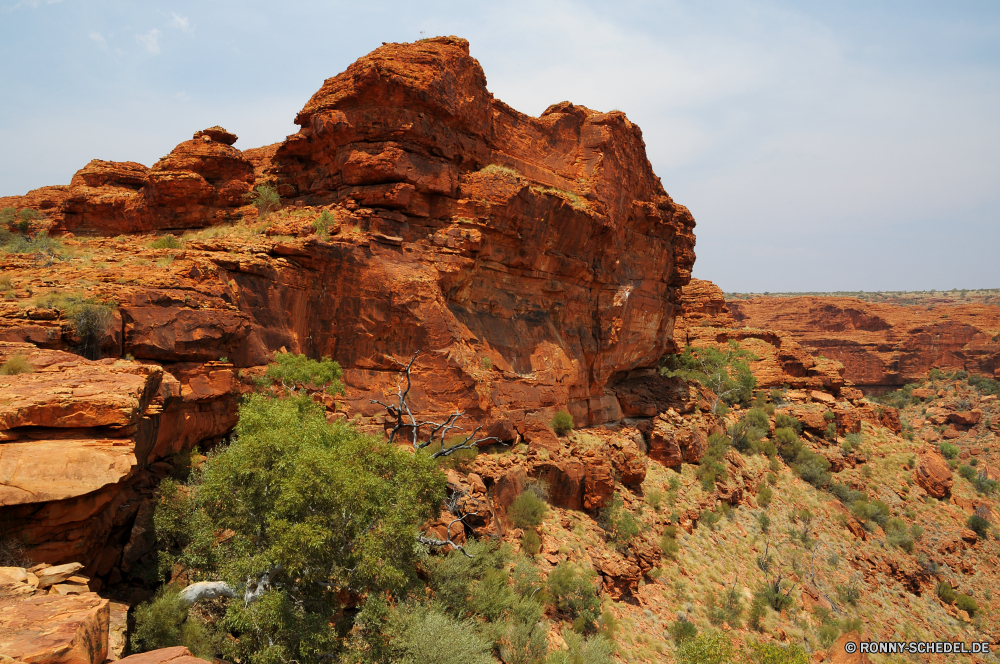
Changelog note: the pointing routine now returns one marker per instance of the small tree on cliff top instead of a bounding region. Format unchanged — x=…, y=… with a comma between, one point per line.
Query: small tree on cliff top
x=725, y=372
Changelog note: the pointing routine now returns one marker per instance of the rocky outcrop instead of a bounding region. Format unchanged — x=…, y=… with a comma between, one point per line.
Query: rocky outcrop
x=55, y=629
x=934, y=476
x=532, y=260
x=882, y=345
x=78, y=437
x=202, y=181
x=706, y=320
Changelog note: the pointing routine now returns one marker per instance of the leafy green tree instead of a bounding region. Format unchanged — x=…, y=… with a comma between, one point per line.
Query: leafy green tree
x=571, y=590
x=292, y=515
x=725, y=372
x=298, y=372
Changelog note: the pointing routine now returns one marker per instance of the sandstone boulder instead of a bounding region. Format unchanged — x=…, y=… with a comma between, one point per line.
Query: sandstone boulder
x=55, y=629
x=934, y=476
x=672, y=443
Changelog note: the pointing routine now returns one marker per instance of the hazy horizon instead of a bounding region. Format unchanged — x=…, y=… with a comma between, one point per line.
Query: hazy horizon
x=821, y=149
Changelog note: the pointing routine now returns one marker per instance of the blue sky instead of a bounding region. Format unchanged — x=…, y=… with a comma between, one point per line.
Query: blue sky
x=820, y=146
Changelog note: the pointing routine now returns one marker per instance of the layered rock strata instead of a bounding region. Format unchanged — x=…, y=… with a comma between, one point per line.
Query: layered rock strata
x=883, y=346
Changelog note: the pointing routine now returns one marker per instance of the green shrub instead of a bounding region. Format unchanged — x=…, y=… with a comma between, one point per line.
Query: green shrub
x=572, y=593
x=531, y=542
x=725, y=372
x=812, y=467
x=785, y=420
x=562, y=423
x=162, y=623
x=418, y=633
x=869, y=512
x=711, y=468
x=764, y=496
x=948, y=451
x=975, y=523
x=787, y=442
x=265, y=198
x=726, y=609
x=90, y=319
x=527, y=510
x=746, y=434
x=770, y=652
x=683, y=630
x=946, y=592
x=167, y=241
x=619, y=524
x=967, y=604
x=845, y=494
x=849, y=594
x=668, y=543
x=897, y=534
x=322, y=223
x=829, y=416
x=764, y=521
x=594, y=649
x=16, y=364
x=294, y=371
x=655, y=499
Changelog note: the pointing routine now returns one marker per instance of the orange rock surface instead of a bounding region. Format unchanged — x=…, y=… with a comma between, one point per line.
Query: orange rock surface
x=55, y=629
x=883, y=345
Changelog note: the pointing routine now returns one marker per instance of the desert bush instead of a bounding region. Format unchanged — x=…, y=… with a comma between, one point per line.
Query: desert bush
x=527, y=510
x=845, y=494
x=764, y=496
x=265, y=198
x=167, y=241
x=812, y=467
x=572, y=593
x=897, y=534
x=562, y=423
x=978, y=524
x=13, y=552
x=829, y=416
x=595, y=649
x=322, y=223
x=655, y=499
x=849, y=593
x=746, y=434
x=869, y=512
x=619, y=524
x=787, y=443
x=531, y=542
x=89, y=317
x=967, y=604
x=16, y=364
x=668, y=543
x=725, y=609
x=764, y=521
x=294, y=371
x=769, y=652
x=682, y=630
x=948, y=451
x=946, y=592
x=788, y=421
x=710, y=467
x=163, y=622
x=419, y=633
x=725, y=372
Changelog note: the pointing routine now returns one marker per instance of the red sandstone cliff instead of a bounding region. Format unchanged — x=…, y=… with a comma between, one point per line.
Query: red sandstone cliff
x=533, y=261
x=883, y=345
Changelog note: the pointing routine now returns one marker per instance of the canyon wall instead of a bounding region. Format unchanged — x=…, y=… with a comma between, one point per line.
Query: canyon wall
x=883, y=346
x=533, y=262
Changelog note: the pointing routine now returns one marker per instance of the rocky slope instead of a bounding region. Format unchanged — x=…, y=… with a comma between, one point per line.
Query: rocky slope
x=883, y=345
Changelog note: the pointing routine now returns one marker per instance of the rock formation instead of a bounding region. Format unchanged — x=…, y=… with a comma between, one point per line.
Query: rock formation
x=881, y=345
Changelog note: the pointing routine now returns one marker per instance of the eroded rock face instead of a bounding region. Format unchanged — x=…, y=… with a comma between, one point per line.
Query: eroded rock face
x=201, y=182
x=934, y=476
x=706, y=320
x=77, y=436
x=55, y=629
x=883, y=345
